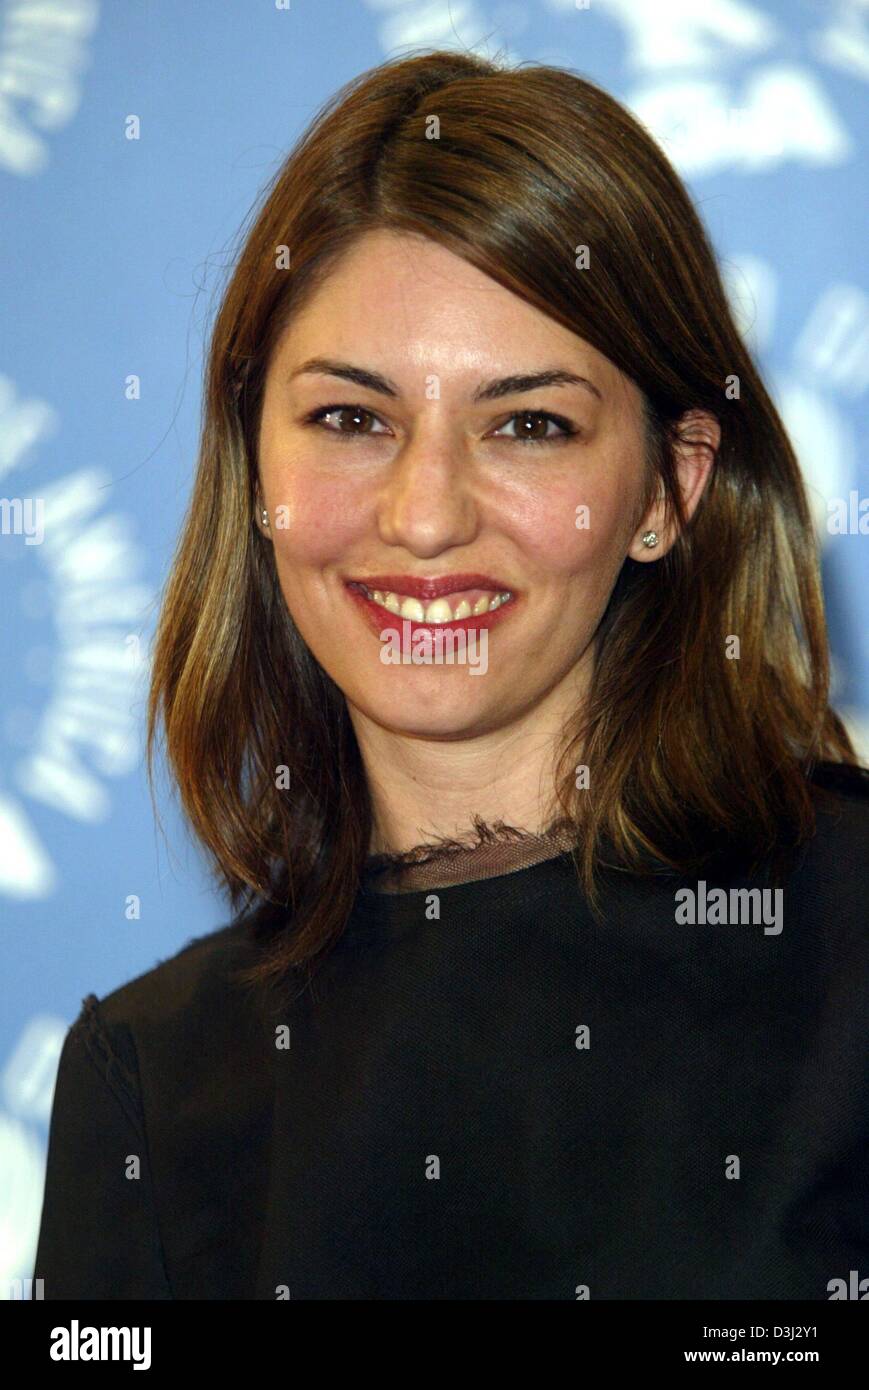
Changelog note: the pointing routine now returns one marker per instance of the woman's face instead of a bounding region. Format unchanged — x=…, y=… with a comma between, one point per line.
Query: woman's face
x=417, y=475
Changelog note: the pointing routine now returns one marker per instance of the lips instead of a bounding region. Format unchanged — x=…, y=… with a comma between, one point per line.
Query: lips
x=427, y=589
x=455, y=602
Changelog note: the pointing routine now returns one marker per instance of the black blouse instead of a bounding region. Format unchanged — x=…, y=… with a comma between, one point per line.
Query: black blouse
x=488, y=1094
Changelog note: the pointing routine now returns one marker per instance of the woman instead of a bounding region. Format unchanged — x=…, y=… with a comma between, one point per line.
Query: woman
x=494, y=678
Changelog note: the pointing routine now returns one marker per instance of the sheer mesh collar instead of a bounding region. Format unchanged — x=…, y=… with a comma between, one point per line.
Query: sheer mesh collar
x=493, y=850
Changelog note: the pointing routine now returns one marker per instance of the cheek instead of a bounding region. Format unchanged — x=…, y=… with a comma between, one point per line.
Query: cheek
x=571, y=529
x=313, y=519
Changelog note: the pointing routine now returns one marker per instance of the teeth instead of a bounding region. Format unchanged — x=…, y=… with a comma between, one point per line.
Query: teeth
x=413, y=609
x=439, y=610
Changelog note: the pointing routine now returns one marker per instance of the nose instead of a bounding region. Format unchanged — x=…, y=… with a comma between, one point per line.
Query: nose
x=427, y=504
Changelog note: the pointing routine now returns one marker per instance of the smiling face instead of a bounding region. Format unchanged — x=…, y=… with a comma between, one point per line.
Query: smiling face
x=406, y=478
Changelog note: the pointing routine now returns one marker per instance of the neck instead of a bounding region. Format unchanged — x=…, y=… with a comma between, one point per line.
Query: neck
x=424, y=788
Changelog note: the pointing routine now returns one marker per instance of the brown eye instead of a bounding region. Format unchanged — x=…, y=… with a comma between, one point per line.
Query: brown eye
x=535, y=425
x=356, y=415
x=539, y=427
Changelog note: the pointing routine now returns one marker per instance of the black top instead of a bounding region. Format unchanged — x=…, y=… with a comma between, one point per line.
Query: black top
x=507, y=1100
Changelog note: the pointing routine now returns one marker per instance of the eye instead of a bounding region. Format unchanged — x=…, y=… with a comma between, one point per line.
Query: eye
x=356, y=413
x=531, y=419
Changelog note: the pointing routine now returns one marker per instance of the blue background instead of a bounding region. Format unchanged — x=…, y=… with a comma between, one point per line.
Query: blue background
x=114, y=252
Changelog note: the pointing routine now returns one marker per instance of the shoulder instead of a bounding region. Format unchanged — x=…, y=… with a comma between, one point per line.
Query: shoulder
x=841, y=797
x=192, y=983
x=847, y=780
x=830, y=879
x=188, y=1014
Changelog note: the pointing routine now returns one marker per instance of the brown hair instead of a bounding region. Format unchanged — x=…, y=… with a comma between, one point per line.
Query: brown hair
x=689, y=751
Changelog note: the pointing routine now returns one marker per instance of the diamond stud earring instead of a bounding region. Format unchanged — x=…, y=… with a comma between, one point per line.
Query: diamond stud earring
x=650, y=538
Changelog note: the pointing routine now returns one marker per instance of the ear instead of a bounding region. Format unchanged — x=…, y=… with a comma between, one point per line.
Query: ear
x=698, y=439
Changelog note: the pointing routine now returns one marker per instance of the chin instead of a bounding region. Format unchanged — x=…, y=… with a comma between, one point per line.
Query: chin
x=432, y=713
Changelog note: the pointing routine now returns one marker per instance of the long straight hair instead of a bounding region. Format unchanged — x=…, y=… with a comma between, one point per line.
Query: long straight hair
x=546, y=184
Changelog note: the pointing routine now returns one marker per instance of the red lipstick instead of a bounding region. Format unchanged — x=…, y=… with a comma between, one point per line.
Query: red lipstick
x=427, y=590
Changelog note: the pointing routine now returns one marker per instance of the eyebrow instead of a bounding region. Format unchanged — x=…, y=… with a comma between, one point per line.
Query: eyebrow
x=489, y=391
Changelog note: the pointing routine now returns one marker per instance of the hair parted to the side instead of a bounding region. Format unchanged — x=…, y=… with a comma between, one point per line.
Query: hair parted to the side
x=688, y=750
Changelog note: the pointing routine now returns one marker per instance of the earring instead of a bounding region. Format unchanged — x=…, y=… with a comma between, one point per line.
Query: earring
x=265, y=517
x=650, y=538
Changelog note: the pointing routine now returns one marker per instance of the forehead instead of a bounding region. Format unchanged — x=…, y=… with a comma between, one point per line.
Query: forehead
x=402, y=302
